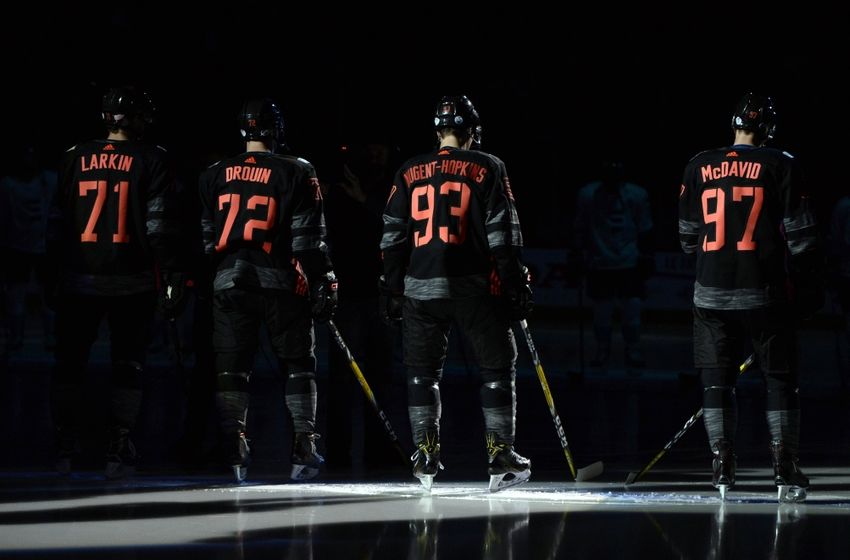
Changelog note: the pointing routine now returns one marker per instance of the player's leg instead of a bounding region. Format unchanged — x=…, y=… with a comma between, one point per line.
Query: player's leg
x=485, y=322
x=717, y=338
x=236, y=319
x=426, y=329
x=78, y=318
x=293, y=340
x=775, y=341
x=129, y=318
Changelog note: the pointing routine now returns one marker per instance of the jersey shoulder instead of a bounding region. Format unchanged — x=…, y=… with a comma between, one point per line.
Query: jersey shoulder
x=296, y=162
x=709, y=155
x=486, y=157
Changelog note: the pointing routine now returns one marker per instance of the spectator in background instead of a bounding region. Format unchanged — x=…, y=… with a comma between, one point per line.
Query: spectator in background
x=613, y=230
x=25, y=195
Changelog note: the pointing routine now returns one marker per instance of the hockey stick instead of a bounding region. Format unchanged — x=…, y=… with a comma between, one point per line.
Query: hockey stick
x=635, y=476
x=584, y=473
x=366, y=389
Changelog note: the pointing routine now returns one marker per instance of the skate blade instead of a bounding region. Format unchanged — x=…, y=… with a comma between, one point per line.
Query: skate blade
x=591, y=471
x=787, y=493
x=724, y=488
x=303, y=472
x=427, y=481
x=240, y=473
x=499, y=481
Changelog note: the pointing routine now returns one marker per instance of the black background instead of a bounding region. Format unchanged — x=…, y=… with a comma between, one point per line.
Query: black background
x=556, y=93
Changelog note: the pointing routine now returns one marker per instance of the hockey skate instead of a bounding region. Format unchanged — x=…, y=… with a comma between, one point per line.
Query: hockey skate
x=723, y=467
x=238, y=455
x=791, y=483
x=507, y=467
x=306, y=462
x=120, y=455
x=426, y=459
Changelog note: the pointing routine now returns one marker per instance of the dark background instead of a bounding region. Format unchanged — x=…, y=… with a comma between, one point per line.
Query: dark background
x=556, y=93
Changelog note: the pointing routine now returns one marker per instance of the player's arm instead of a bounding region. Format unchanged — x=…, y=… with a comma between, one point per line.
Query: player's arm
x=162, y=222
x=309, y=244
x=690, y=215
x=801, y=238
x=205, y=194
x=162, y=227
x=56, y=215
x=395, y=241
x=504, y=237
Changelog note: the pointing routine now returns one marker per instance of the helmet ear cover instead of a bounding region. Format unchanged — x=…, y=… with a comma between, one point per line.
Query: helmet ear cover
x=755, y=113
x=260, y=119
x=127, y=107
x=458, y=113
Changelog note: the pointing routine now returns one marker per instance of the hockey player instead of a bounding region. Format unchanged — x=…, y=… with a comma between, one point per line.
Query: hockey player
x=451, y=248
x=112, y=200
x=264, y=230
x=744, y=211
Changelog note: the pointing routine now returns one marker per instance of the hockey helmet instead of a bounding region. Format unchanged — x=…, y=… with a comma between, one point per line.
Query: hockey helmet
x=261, y=119
x=756, y=114
x=121, y=106
x=457, y=112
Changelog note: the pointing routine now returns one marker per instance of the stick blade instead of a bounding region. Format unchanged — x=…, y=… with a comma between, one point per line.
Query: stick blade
x=631, y=478
x=589, y=472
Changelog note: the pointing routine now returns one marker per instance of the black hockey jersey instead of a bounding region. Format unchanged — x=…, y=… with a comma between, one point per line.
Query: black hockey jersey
x=112, y=203
x=261, y=216
x=744, y=210
x=448, y=212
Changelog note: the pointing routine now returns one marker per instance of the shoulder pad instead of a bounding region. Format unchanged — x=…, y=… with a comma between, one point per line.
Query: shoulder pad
x=72, y=148
x=786, y=154
x=161, y=148
x=302, y=160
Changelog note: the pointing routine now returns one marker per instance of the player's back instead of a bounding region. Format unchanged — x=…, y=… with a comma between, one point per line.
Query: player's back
x=459, y=207
x=110, y=196
x=736, y=199
x=263, y=209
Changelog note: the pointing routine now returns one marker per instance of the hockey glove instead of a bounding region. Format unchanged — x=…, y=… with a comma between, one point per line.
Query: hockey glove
x=389, y=304
x=172, y=298
x=520, y=302
x=323, y=297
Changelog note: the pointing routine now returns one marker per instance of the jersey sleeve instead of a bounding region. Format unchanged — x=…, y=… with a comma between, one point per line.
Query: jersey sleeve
x=503, y=232
x=162, y=220
x=395, y=242
x=309, y=234
x=798, y=216
x=689, y=212
x=501, y=221
x=207, y=213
